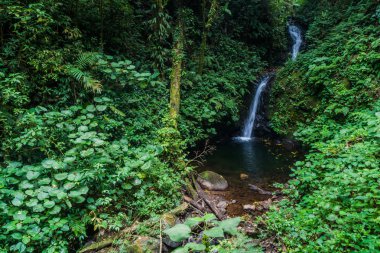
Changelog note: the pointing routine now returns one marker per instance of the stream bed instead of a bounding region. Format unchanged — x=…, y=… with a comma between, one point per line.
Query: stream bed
x=263, y=161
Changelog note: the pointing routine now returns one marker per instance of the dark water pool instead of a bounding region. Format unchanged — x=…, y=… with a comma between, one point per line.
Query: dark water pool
x=264, y=162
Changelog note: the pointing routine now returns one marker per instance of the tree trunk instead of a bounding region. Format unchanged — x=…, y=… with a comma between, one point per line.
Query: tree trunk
x=206, y=28
x=175, y=77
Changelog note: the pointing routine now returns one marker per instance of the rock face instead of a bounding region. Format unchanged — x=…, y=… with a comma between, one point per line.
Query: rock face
x=212, y=181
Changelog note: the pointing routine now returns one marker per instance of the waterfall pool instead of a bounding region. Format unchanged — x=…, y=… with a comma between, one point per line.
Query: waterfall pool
x=264, y=162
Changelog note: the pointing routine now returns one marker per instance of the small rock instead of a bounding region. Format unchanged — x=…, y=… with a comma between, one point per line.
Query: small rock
x=233, y=202
x=243, y=176
x=249, y=207
x=222, y=204
x=171, y=243
x=212, y=181
x=266, y=204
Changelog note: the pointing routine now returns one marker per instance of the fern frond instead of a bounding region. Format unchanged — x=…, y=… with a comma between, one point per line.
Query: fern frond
x=86, y=60
x=85, y=78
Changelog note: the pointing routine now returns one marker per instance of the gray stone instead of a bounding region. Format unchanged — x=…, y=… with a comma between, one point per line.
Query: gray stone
x=249, y=207
x=222, y=205
x=212, y=181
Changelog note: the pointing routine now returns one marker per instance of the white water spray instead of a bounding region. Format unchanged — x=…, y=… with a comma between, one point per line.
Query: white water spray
x=296, y=35
x=249, y=124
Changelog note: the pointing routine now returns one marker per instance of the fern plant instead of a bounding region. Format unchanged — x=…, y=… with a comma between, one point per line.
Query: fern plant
x=80, y=71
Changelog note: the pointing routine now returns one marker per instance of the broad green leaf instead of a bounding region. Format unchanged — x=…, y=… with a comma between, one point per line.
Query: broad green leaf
x=195, y=246
x=74, y=194
x=146, y=165
x=74, y=176
x=38, y=208
x=209, y=217
x=17, y=202
x=61, y=194
x=87, y=152
x=42, y=195
x=178, y=233
x=192, y=222
x=215, y=232
x=83, y=128
x=30, y=175
x=69, y=159
x=50, y=164
x=79, y=199
x=20, y=215
x=91, y=108
x=56, y=209
x=83, y=190
x=26, y=185
x=60, y=176
x=68, y=186
x=101, y=108
x=32, y=203
x=230, y=225
x=180, y=250
x=49, y=204
x=44, y=181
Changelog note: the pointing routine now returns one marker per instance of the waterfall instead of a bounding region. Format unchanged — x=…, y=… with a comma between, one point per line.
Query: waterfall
x=249, y=124
x=295, y=33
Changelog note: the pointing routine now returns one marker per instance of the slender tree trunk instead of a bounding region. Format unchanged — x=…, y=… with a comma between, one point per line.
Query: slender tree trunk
x=101, y=13
x=175, y=77
x=206, y=28
x=1, y=35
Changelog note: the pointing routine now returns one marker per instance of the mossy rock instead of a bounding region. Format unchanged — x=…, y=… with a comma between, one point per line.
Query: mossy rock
x=145, y=244
x=212, y=181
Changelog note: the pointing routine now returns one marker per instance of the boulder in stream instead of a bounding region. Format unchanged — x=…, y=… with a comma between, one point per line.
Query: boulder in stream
x=212, y=181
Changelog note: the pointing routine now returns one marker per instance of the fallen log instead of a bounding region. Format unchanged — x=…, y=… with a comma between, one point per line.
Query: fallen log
x=259, y=190
x=109, y=241
x=203, y=195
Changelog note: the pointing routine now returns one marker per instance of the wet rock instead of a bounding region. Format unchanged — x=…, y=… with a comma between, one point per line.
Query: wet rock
x=222, y=205
x=170, y=243
x=145, y=244
x=243, y=176
x=249, y=207
x=212, y=181
x=266, y=204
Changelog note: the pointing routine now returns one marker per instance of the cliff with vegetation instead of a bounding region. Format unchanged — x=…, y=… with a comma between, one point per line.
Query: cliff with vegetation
x=329, y=100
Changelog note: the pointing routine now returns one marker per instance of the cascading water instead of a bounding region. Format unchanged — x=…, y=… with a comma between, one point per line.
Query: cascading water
x=250, y=121
x=295, y=34
x=249, y=124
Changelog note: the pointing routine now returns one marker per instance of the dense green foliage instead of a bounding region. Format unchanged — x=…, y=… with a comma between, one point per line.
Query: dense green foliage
x=209, y=229
x=330, y=98
x=87, y=142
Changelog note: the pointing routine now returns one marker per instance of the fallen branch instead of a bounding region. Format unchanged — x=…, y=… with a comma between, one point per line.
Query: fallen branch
x=193, y=203
x=205, y=197
x=259, y=190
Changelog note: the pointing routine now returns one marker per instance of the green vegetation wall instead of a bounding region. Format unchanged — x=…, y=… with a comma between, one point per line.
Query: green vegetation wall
x=329, y=99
